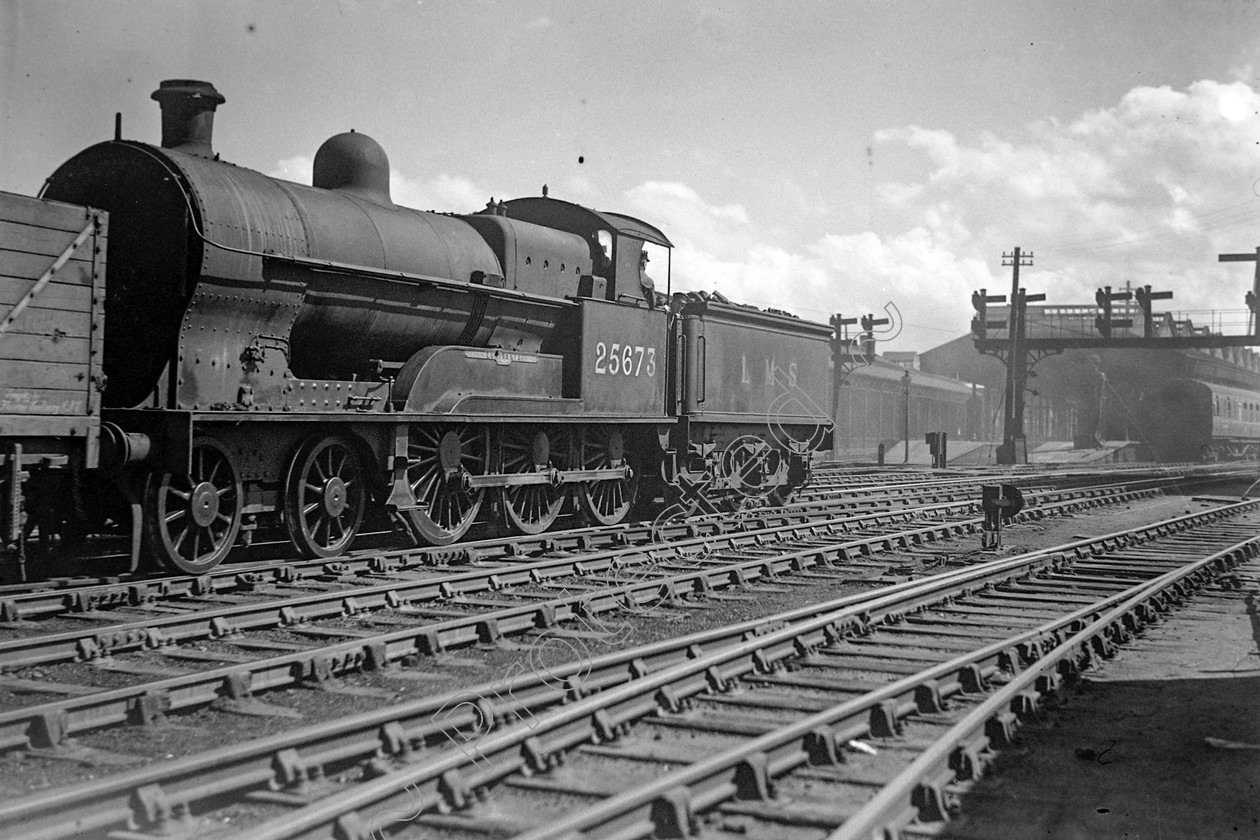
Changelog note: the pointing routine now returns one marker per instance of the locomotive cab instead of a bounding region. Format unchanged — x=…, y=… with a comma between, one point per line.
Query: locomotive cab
x=614, y=244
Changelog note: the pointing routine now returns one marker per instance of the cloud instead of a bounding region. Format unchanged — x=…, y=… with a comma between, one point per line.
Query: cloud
x=296, y=169
x=690, y=221
x=916, y=270
x=1146, y=191
x=443, y=193
x=719, y=247
x=578, y=189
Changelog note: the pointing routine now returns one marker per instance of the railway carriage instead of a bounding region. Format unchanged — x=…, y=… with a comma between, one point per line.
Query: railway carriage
x=1191, y=420
x=876, y=406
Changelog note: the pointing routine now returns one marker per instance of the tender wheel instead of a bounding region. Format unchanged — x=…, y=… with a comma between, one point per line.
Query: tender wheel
x=191, y=521
x=606, y=502
x=531, y=508
x=783, y=495
x=324, y=497
x=749, y=462
x=438, y=459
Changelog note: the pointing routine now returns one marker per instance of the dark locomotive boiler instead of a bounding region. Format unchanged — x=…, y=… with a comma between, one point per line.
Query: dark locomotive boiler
x=301, y=356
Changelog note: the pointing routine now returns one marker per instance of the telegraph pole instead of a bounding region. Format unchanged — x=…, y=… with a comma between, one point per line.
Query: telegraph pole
x=1016, y=364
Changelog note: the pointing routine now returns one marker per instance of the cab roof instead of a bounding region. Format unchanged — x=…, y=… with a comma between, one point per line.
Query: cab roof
x=569, y=216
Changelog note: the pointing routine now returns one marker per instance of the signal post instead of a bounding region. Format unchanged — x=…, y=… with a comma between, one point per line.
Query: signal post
x=1020, y=353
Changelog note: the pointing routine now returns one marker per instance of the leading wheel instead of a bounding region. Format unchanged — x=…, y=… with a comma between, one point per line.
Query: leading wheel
x=531, y=508
x=324, y=497
x=606, y=502
x=191, y=521
x=438, y=460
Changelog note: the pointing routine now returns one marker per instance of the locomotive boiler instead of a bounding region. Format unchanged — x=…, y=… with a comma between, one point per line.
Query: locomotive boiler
x=298, y=355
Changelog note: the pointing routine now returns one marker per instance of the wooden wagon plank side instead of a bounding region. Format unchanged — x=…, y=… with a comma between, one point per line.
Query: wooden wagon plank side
x=41, y=425
x=50, y=322
x=17, y=268
x=23, y=238
x=62, y=296
x=43, y=401
x=17, y=373
x=54, y=348
x=42, y=213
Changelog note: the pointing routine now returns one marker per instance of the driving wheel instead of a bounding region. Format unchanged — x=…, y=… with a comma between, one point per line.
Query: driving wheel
x=325, y=496
x=531, y=508
x=608, y=501
x=438, y=459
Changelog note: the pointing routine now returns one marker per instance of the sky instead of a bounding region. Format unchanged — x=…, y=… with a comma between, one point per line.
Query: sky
x=819, y=157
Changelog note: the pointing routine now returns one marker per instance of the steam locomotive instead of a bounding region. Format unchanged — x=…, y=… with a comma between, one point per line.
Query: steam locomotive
x=271, y=354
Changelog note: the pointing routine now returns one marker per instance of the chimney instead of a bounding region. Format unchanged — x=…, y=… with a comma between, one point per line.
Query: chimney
x=188, y=115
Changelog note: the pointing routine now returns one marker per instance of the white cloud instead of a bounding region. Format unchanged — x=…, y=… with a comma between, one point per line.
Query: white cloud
x=1147, y=191
x=578, y=189
x=719, y=247
x=443, y=193
x=680, y=197
x=689, y=221
x=296, y=169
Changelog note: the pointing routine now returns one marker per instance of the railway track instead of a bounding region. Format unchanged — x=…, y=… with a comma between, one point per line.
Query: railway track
x=826, y=481
x=861, y=715
x=833, y=491
x=47, y=599
x=81, y=593
x=314, y=638
x=196, y=610
x=70, y=595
